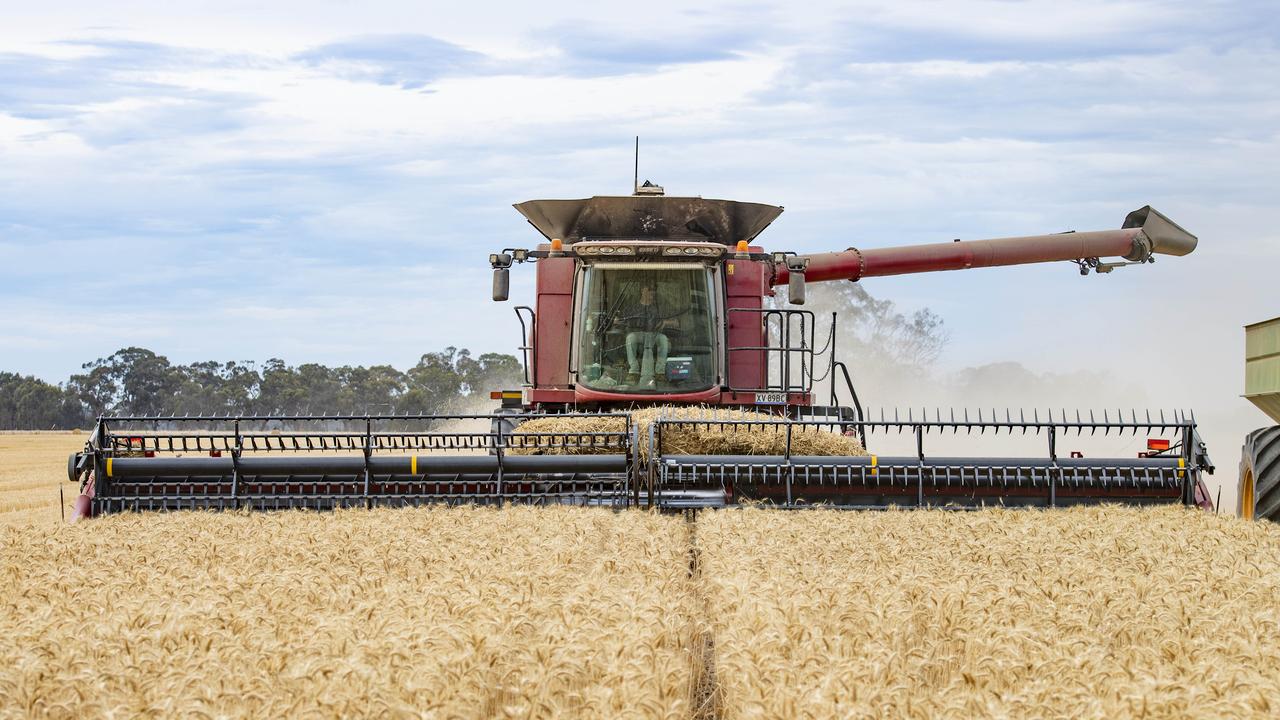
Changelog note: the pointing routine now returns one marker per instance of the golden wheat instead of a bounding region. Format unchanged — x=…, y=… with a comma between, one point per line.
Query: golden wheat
x=33, y=467
x=471, y=612
x=701, y=439
x=1097, y=612
x=462, y=612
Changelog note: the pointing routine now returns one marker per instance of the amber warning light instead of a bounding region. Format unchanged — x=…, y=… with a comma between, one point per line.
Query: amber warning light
x=1157, y=444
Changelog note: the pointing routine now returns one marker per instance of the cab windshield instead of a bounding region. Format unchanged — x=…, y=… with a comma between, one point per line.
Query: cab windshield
x=648, y=329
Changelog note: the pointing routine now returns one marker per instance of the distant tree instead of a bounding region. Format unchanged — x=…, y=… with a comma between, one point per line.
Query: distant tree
x=280, y=390
x=434, y=383
x=321, y=390
x=96, y=389
x=212, y=387
x=375, y=389
x=490, y=371
x=29, y=403
x=132, y=381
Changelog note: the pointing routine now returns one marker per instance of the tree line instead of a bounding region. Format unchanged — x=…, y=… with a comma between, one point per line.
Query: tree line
x=137, y=381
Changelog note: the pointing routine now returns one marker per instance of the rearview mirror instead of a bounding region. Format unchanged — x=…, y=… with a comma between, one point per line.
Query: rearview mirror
x=795, y=279
x=795, y=288
x=501, y=284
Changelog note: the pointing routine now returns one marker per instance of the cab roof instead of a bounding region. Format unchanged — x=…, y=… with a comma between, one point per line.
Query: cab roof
x=649, y=217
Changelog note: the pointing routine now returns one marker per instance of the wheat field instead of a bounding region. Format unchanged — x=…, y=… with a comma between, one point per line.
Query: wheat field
x=33, y=467
x=1080, y=613
x=574, y=612
x=466, y=612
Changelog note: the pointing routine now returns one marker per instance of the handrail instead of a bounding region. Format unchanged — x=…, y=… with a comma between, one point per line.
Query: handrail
x=853, y=394
x=784, y=350
x=525, y=347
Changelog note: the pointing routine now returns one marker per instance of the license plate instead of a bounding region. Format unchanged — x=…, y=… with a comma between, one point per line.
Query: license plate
x=771, y=398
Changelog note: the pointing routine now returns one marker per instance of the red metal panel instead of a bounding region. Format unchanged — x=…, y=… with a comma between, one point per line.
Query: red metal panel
x=544, y=396
x=584, y=395
x=553, y=328
x=746, y=283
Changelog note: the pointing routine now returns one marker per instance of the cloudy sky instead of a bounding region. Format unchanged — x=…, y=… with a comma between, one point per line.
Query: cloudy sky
x=322, y=181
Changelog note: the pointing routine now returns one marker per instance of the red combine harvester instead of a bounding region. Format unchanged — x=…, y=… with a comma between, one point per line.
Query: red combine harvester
x=656, y=300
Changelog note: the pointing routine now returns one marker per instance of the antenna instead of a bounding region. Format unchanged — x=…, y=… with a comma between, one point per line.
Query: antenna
x=647, y=188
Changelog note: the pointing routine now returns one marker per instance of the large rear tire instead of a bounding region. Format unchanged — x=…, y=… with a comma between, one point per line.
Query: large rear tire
x=1259, y=496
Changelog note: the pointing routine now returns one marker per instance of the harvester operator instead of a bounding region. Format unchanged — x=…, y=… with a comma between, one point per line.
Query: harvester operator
x=647, y=345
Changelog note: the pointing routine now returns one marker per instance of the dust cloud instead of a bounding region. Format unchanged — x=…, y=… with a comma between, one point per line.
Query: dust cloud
x=898, y=365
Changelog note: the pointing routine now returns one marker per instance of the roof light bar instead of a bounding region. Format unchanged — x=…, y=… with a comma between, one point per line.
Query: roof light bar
x=595, y=249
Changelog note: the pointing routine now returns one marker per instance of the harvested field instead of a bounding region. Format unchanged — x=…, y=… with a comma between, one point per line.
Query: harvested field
x=1091, y=612
x=550, y=612
x=699, y=439
x=32, y=466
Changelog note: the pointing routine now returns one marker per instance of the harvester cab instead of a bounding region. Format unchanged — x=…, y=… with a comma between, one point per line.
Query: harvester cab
x=648, y=300
x=632, y=300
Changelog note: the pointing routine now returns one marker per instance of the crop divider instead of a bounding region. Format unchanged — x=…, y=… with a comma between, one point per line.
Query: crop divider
x=368, y=451
x=499, y=448
x=1055, y=471
x=235, y=465
x=791, y=469
x=919, y=432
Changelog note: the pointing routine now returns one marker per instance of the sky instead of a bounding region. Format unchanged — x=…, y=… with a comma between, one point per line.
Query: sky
x=323, y=181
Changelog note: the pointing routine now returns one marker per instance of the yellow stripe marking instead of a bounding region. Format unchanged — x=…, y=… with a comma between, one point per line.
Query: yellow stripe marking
x=874, y=461
x=1182, y=463
x=109, y=467
x=413, y=464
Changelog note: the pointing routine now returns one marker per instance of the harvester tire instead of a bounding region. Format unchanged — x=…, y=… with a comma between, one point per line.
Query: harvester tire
x=1259, y=496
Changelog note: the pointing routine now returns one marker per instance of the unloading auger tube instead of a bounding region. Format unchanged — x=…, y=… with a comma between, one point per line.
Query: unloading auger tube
x=1145, y=234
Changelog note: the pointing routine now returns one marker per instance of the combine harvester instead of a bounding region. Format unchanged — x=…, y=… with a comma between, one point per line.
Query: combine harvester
x=653, y=300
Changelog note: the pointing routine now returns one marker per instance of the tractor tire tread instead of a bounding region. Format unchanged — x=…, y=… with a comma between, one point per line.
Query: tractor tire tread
x=1261, y=452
